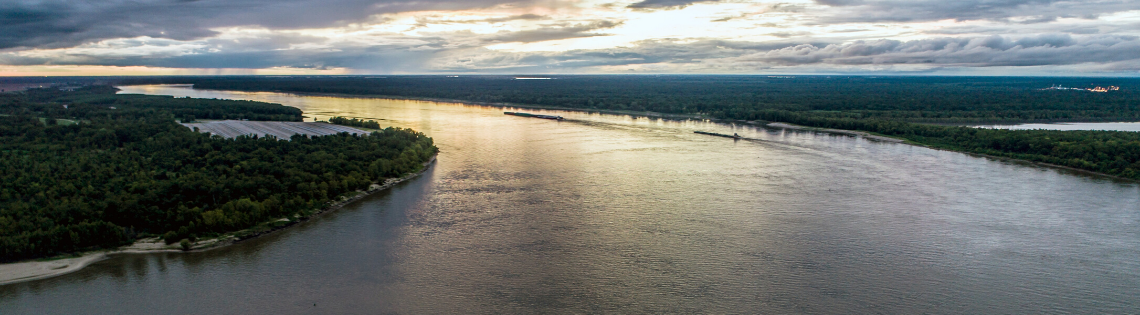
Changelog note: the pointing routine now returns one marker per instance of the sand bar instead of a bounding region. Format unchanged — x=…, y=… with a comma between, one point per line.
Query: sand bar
x=34, y=270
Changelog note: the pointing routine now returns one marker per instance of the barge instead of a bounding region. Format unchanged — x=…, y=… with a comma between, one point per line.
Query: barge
x=734, y=136
x=533, y=115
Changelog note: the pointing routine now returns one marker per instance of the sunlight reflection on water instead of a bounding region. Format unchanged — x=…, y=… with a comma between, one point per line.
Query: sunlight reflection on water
x=610, y=213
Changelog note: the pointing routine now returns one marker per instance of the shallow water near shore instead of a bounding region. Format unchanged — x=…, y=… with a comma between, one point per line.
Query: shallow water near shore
x=1109, y=126
x=615, y=214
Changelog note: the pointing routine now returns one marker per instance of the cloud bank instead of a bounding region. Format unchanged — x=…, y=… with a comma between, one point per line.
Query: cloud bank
x=61, y=23
x=649, y=36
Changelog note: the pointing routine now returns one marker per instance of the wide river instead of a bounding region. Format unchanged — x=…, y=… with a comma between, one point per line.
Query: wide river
x=616, y=214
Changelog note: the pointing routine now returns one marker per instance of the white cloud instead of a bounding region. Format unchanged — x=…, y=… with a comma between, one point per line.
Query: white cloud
x=580, y=36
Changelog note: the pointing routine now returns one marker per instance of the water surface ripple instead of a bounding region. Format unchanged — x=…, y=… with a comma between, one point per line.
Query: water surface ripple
x=612, y=214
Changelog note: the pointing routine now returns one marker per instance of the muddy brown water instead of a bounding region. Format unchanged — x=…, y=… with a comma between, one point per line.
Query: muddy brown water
x=616, y=214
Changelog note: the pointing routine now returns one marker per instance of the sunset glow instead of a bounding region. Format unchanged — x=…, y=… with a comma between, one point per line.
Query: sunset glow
x=652, y=36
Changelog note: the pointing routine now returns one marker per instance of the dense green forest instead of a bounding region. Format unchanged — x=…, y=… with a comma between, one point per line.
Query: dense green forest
x=108, y=169
x=354, y=122
x=102, y=99
x=1110, y=152
x=914, y=99
x=896, y=106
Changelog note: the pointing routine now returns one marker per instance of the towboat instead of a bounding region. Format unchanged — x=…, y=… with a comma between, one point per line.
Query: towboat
x=533, y=115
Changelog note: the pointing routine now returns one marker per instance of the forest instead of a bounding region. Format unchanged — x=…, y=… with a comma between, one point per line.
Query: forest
x=1115, y=153
x=912, y=99
x=102, y=98
x=355, y=122
x=108, y=169
x=919, y=109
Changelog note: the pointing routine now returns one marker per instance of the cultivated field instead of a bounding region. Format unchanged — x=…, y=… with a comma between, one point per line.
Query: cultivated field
x=279, y=129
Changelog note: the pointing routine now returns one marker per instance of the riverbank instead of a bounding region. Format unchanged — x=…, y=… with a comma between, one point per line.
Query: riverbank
x=35, y=270
x=781, y=125
x=492, y=104
x=765, y=124
x=610, y=112
x=46, y=268
x=864, y=134
x=603, y=111
x=981, y=155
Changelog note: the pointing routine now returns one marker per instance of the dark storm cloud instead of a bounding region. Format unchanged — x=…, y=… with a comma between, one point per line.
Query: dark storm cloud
x=57, y=23
x=60, y=24
x=254, y=51
x=1039, y=11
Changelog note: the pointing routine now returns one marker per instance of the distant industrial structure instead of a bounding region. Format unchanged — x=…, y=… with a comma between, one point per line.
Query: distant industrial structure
x=1097, y=89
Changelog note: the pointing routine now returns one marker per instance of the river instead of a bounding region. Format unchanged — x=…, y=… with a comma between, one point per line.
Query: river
x=617, y=214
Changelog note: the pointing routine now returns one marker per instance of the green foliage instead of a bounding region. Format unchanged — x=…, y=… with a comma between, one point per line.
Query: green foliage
x=886, y=105
x=355, y=122
x=102, y=101
x=1110, y=152
x=914, y=99
x=170, y=237
x=124, y=173
x=185, y=244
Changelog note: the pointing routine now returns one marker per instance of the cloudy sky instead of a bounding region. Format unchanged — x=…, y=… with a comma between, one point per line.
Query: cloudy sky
x=945, y=37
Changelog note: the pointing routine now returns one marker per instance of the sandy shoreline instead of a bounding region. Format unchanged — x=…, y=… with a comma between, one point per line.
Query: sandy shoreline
x=35, y=270
x=42, y=269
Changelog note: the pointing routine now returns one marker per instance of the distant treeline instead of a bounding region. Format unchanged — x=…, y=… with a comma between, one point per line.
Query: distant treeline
x=1110, y=152
x=124, y=173
x=101, y=99
x=914, y=99
x=894, y=106
x=355, y=122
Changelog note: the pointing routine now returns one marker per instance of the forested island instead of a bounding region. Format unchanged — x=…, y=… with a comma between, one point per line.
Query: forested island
x=355, y=122
x=922, y=110
x=89, y=169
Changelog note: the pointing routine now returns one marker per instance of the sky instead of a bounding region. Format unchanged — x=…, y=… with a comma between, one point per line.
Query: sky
x=347, y=37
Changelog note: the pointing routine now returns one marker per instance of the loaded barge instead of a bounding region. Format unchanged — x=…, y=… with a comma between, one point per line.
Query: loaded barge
x=534, y=116
x=734, y=136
